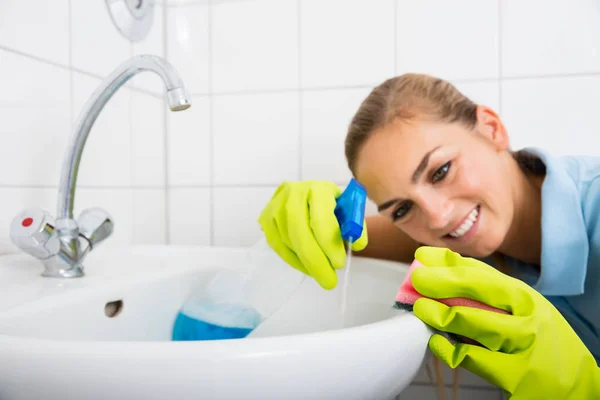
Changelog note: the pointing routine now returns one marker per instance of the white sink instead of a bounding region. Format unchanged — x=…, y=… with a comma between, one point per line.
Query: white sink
x=56, y=341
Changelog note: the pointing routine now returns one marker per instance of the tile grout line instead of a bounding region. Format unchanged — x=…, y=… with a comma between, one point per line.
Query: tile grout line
x=131, y=152
x=211, y=133
x=500, y=57
x=370, y=86
x=300, y=93
x=71, y=74
x=69, y=67
x=166, y=193
x=73, y=115
x=395, y=37
x=149, y=187
x=40, y=59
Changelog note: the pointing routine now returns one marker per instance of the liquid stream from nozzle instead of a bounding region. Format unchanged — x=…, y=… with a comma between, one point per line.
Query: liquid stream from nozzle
x=344, y=293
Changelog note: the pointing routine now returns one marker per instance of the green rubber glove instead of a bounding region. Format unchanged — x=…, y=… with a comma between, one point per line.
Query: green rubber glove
x=532, y=354
x=299, y=224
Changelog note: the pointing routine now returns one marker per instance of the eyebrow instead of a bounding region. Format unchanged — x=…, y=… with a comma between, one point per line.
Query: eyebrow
x=415, y=177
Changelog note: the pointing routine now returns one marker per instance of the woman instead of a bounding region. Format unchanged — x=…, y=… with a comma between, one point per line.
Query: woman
x=441, y=172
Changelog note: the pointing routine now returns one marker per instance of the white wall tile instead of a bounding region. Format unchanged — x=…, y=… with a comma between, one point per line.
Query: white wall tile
x=106, y=159
x=147, y=140
x=346, y=43
x=35, y=115
x=16, y=199
x=256, y=138
x=38, y=27
x=188, y=45
x=236, y=211
x=149, y=216
x=189, y=144
x=452, y=40
x=484, y=93
x=371, y=208
x=153, y=44
x=98, y=46
x=254, y=45
x=554, y=114
x=325, y=118
x=550, y=37
x=118, y=203
x=189, y=216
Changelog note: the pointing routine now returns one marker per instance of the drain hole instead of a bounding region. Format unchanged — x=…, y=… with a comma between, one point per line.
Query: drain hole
x=113, y=308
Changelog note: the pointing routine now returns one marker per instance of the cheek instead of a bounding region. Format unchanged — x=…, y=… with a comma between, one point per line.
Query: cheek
x=470, y=179
x=486, y=184
x=476, y=182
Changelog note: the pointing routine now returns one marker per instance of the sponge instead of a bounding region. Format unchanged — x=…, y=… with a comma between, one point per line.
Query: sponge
x=407, y=295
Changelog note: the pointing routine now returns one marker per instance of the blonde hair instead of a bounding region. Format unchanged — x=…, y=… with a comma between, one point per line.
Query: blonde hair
x=406, y=97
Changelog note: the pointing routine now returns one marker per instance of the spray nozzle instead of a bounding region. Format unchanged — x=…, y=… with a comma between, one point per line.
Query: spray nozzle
x=350, y=210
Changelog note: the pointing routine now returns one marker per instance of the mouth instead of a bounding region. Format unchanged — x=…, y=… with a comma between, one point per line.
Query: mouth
x=467, y=226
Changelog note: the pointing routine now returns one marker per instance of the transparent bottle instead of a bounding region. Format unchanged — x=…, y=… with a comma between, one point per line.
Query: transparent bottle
x=236, y=301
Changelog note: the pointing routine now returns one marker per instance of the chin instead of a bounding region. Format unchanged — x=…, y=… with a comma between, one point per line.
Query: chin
x=486, y=249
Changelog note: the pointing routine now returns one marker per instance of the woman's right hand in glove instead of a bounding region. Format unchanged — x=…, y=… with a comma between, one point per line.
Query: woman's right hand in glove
x=531, y=353
x=300, y=226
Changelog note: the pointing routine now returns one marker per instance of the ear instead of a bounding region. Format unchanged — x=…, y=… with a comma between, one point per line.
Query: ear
x=492, y=128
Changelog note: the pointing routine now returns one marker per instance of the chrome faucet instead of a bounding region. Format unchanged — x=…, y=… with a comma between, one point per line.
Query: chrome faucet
x=62, y=244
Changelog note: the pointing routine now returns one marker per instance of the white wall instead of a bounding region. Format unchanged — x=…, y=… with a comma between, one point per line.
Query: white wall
x=53, y=54
x=274, y=84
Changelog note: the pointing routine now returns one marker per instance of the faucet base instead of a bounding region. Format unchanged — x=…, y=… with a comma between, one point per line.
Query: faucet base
x=54, y=268
x=69, y=273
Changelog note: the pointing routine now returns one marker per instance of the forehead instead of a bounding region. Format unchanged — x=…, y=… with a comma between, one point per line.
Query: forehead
x=390, y=156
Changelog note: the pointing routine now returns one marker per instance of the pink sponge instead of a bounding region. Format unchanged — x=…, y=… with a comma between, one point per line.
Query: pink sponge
x=407, y=295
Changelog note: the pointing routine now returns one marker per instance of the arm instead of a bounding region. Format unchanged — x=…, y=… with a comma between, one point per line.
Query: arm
x=387, y=242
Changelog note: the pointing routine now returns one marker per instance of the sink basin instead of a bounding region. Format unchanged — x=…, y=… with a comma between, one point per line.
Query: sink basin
x=107, y=335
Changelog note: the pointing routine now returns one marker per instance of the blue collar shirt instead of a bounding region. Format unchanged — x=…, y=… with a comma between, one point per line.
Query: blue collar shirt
x=569, y=275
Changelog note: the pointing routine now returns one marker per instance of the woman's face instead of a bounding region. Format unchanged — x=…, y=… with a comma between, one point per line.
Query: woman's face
x=442, y=184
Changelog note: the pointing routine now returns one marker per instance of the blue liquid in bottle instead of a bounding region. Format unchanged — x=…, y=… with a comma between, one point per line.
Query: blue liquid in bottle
x=199, y=322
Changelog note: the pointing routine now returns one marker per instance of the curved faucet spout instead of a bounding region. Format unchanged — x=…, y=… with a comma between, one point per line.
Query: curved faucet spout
x=63, y=243
x=176, y=96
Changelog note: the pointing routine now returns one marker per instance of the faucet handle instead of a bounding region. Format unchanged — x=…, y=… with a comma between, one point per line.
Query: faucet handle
x=32, y=230
x=95, y=225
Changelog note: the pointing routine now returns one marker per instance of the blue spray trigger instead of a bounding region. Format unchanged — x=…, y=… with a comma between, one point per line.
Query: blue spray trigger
x=350, y=210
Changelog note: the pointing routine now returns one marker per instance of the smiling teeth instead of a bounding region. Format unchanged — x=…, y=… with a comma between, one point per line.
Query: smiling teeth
x=464, y=228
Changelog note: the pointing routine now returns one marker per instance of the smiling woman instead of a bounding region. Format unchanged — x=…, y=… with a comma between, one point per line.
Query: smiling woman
x=441, y=171
x=438, y=167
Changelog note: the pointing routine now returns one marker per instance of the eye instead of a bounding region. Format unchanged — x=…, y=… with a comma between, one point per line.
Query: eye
x=441, y=172
x=401, y=211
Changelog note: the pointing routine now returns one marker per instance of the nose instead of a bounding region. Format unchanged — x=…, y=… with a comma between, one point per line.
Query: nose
x=437, y=209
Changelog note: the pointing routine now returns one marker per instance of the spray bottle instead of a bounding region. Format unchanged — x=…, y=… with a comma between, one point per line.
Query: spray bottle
x=350, y=213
